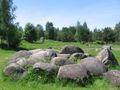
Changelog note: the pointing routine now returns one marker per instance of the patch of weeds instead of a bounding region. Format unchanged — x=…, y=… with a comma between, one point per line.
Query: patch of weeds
x=41, y=76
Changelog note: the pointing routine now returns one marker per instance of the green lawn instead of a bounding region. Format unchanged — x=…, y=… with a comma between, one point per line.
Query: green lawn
x=5, y=84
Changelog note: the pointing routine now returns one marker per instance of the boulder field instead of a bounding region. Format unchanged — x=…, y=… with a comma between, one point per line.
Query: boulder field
x=64, y=63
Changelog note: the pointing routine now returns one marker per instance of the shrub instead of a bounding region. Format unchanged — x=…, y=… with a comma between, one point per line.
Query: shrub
x=99, y=42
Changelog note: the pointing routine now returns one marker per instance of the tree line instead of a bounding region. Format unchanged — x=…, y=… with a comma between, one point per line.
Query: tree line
x=79, y=33
x=12, y=33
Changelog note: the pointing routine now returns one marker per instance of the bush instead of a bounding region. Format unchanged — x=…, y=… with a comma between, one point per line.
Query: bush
x=16, y=39
x=99, y=42
x=30, y=33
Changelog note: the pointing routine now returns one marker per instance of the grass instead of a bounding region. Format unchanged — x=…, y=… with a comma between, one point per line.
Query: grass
x=6, y=84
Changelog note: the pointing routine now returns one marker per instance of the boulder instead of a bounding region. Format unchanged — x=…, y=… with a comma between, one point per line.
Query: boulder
x=51, y=53
x=107, y=57
x=63, y=55
x=76, y=56
x=94, y=66
x=60, y=61
x=113, y=76
x=41, y=56
x=20, y=54
x=71, y=50
x=35, y=51
x=73, y=71
x=45, y=67
x=22, y=62
x=14, y=71
x=69, y=62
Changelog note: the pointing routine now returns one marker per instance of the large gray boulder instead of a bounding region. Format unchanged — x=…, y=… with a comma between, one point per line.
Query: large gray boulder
x=14, y=71
x=20, y=54
x=41, y=56
x=45, y=67
x=107, y=57
x=94, y=66
x=113, y=76
x=71, y=50
x=73, y=71
x=63, y=55
x=60, y=61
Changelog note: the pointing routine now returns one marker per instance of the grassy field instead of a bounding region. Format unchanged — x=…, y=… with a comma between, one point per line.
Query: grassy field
x=98, y=84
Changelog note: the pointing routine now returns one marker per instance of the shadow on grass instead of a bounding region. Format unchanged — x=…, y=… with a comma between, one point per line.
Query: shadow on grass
x=4, y=46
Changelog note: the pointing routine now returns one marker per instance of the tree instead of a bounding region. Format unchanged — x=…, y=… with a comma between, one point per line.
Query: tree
x=56, y=33
x=86, y=36
x=64, y=34
x=49, y=31
x=78, y=33
x=40, y=31
x=30, y=34
x=16, y=36
x=59, y=35
x=83, y=33
x=108, y=35
x=6, y=18
x=67, y=34
x=97, y=35
x=71, y=33
x=117, y=32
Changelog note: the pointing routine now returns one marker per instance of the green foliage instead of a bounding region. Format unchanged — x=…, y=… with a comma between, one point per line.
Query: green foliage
x=49, y=31
x=40, y=31
x=9, y=32
x=56, y=34
x=15, y=36
x=78, y=35
x=108, y=35
x=82, y=33
x=66, y=34
x=86, y=33
x=97, y=35
x=40, y=76
x=30, y=33
x=99, y=42
x=117, y=32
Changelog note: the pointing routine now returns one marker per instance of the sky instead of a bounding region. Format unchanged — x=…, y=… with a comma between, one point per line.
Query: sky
x=97, y=13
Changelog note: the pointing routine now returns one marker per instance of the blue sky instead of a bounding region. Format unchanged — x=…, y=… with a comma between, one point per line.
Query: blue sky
x=97, y=13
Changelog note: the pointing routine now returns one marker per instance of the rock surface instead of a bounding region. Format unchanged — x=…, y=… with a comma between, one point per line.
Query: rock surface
x=63, y=55
x=94, y=66
x=14, y=70
x=113, y=76
x=20, y=54
x=71, y=50
x=60, y=61
x=45, y=67
x=41, y=56
x=107, y=57
x=73, y=71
